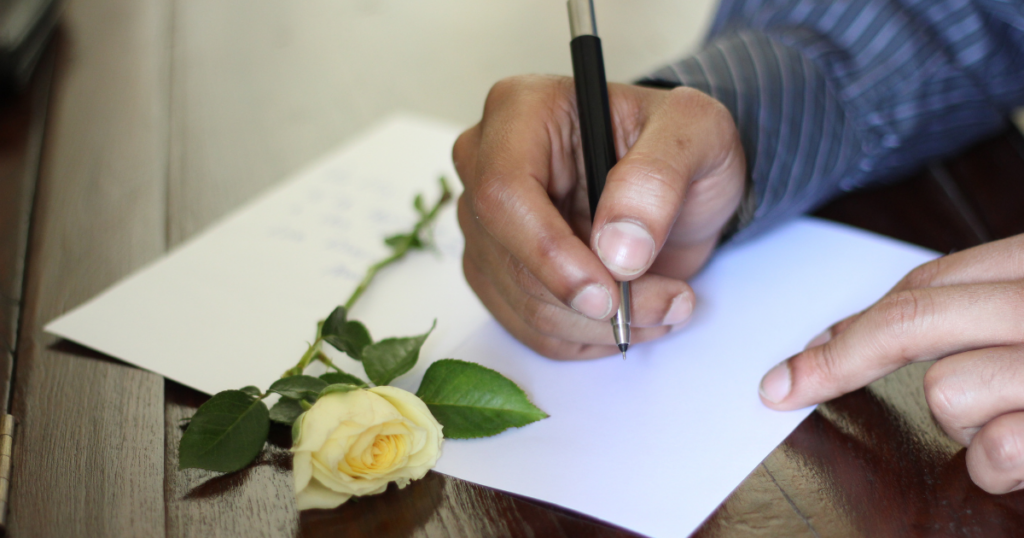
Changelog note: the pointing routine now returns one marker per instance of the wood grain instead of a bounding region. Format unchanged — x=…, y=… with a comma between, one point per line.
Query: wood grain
x=88, y=454
x=440, y=506
x=257, y=501
x=757, y=508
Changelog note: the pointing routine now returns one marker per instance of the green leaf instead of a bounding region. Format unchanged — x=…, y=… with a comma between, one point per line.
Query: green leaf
x=341, y=377
x=350, y=338
x=392, y=357
x=334, y=322
x=338, y=387
x=253, y=391
x=397, y=240
x=226, y=433
x=471, y=401
x=420, y=205
x=298, y=387
x=403, y=241
x=286, y=410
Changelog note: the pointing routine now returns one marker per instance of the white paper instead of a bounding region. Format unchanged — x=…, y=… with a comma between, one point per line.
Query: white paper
x=657, y=442
x=653, y=444
x=238, y=304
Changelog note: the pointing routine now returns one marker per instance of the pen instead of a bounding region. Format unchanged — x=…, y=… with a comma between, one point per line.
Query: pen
x=595, y=129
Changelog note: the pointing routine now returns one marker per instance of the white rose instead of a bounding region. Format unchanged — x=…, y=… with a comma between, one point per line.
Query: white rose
x=355, y=443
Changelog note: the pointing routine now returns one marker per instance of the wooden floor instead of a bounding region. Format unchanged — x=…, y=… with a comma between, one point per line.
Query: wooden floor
x=136, y=132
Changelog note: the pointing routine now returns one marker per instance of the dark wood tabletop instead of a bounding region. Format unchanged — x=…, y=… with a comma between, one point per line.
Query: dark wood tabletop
x=115, y=153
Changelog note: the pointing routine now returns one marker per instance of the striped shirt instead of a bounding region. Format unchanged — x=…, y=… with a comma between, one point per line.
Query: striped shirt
x=831, y=95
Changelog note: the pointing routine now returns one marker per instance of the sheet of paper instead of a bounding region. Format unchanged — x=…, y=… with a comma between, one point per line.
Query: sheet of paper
x=237, y=304
x=653, y=444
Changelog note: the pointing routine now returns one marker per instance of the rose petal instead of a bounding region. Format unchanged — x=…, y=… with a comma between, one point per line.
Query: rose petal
x=413, y=408
x=302, y=470
x=347, y=484
x=317, y=496
x=409, y=405
x=340, y=433
x=319, y=421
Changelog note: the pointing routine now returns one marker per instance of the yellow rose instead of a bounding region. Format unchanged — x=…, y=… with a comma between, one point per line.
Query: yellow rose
x=355, y=443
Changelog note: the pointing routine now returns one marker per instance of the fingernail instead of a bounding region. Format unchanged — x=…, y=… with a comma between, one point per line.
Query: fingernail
x=679, y=310
x=776, y=383
x=594, y=302
x=625, y=248
x=825, y=336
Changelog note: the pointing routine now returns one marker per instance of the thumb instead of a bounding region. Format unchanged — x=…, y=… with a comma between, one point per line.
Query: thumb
x=675, y=188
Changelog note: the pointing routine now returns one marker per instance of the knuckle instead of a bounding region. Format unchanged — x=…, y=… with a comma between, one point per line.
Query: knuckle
x=537, y=315
x=502, y=92
x=829, y=366
x=720, y=116
x=945, y=397
x=491, y=195
x=1017, y=297
x=901, y=313
x=461, y=152
x=923, y=276
x=686, y=97
x=521, y=275
x=548, y=251
x=652, y=178
x=699, y=104
x=1004, y=446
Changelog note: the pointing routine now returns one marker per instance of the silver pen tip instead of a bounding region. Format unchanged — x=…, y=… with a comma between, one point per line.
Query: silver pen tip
x=623, y=348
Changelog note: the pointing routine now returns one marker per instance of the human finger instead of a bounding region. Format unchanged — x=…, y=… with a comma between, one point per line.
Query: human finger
x=967, y=390
x=995, y=458
x=998, y=261
x=912, y=325
x=553, y=347
x=683, y=177
x=464, y=153
x=526, y=146
x=656, y=300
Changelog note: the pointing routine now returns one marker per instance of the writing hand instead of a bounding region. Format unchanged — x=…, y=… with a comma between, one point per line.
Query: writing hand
x=530, y=254
x=967, y=311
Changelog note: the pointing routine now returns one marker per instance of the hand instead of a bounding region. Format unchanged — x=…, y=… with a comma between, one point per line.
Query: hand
x=965, y=309
x=530, y=254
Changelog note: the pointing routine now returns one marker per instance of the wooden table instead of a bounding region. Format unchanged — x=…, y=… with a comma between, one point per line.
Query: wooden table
x=142, y=125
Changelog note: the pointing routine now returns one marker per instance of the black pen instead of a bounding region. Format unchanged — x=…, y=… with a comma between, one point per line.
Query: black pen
x=595, y=129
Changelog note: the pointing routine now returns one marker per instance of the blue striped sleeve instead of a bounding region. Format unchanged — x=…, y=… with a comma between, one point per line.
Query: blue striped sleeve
x=832, y=96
